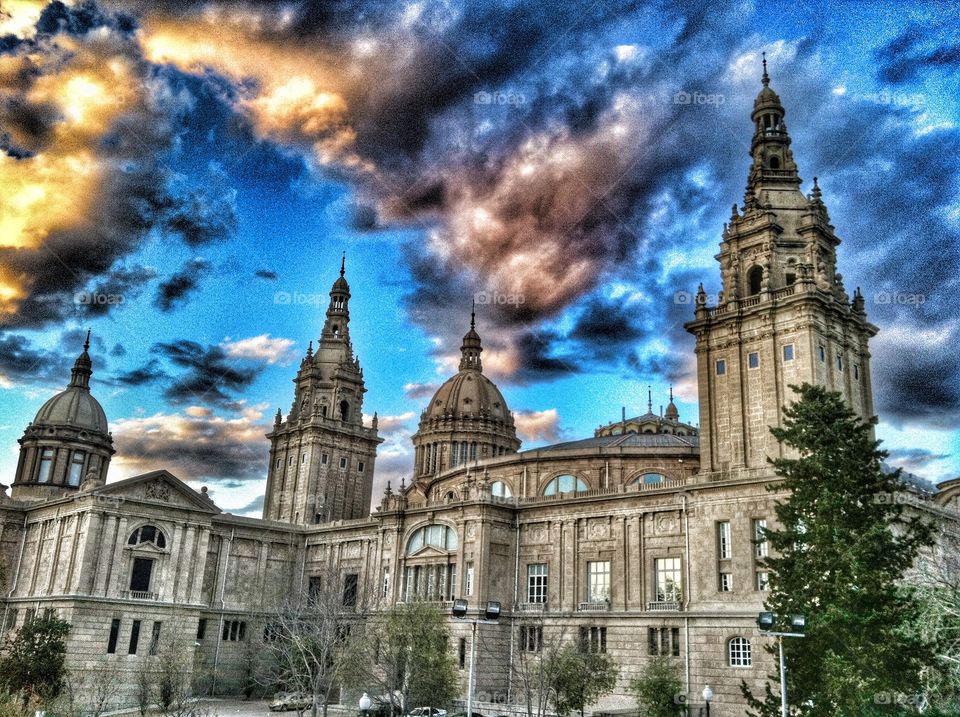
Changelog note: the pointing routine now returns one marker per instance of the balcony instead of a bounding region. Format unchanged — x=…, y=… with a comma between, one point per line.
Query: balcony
x=534, y=607
x=665, y=606
x=138, y=595
x=596, y=606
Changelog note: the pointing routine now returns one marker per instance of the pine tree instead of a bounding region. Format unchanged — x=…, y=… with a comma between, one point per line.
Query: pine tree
x=838, y=555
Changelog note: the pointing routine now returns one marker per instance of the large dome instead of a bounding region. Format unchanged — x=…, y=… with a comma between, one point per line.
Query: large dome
x=74, y=407
x=469, y=393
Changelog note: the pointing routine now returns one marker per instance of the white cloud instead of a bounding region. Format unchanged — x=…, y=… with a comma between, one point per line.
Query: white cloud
x=263, y=348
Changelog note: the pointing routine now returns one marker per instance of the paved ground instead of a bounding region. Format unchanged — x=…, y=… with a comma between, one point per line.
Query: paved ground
x=259, y=708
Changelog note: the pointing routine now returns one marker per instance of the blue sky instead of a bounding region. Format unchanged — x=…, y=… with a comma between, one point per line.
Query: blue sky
x=192, y=163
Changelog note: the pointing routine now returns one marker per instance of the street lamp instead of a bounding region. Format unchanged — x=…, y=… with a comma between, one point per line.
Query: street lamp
x=707, y=697
x=767, y=623
x=365, y=704
x=491, y=614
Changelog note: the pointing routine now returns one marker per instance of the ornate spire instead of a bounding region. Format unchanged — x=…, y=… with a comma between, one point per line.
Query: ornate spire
x=649, y=399
x=82, y=368
x=672, y=413
x=471, y=348
x=766, y=77
x=343, y=264
x=773, y=165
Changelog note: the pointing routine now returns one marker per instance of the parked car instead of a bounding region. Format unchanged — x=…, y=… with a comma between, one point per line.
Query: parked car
x=284, y=701
x=426, y=712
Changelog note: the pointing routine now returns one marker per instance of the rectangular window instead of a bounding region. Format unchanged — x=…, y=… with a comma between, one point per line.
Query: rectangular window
x=531, y=638
x=763, y=581
x=788, y=352
x=134, y=637
x=202, y=628
x=360, y=466
x=350, y=590
x=155, y=638
x=468, y=580
x=289, y=460
x=669, y=584
x=760, y=548
x=537, y=582
x=653, y=641
x=839, y=362
x=386, y=582
x=753, y=359
x=114, y=636
x=724, y=547
x=726, y=582
x=46, y=465
x=76, y=468
x=343, y=463
x=313, y=587
x=598, y=580
x=278, y=462
x=140, y=575
x=721, y=367
x=821, y=353
x=598, y=639
x=303, y=458
x=462, y=661
x=675, y=641
x=856, y=372
x=323, y=459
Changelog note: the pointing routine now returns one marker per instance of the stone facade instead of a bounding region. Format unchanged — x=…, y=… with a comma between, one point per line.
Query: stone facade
x=638, y=540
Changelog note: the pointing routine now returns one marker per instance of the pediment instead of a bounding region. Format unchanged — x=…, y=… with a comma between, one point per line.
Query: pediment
x=428, y=551
x=159, y=487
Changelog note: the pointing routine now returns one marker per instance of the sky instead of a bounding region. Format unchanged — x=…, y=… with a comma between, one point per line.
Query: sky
x=183, y=178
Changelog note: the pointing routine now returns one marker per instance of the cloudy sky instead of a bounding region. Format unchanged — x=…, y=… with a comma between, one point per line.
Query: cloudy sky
x=183, y=177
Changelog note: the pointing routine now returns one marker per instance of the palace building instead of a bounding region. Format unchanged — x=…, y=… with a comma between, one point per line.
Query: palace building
x=640, y=540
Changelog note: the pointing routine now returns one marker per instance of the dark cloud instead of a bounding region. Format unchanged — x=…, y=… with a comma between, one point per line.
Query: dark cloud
x=149, y=373
x=909, y=55
x=24, y=364
x=119, y=286
x=91, y=222
x=174, y=290
x=210, y=374
x=266, y=274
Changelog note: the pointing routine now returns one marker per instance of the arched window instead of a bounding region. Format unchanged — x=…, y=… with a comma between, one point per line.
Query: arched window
x=754, y=280
x=739, y=652
x=499, y=489
x=650, y=479
x=441, y=537
x=565, y=484
x=774, y=163
x=76, y=468
x=148, y=534
x=344, y=410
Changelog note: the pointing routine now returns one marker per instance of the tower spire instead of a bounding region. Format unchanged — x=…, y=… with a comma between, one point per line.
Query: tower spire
x=766, y=77
x=471, y=348
x=82, y=367
x=649, y=399
x=343, y=264
x=86, y=343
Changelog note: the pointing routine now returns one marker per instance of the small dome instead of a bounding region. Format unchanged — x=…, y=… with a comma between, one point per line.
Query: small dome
x=340, y=286
x=468, y=393
x=74, y=407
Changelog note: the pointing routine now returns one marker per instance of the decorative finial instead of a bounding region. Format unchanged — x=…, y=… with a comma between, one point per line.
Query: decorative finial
x=343, y=264
x=473, y=313
x=86, y=344
x=817, y=194
x=649, y=399
x=671, y=394
x=310, y=349
x=766, y=78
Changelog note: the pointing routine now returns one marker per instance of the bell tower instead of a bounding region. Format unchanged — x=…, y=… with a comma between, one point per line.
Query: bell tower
x=321, y=454
x=782, y=316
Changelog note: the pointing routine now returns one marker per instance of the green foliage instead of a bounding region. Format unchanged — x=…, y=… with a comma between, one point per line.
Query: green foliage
x=657, y=688
x=416, y=655
x=838, y=556
x=579, y=678
x=33, y=659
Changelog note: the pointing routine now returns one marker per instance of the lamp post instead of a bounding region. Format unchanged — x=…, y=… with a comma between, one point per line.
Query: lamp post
x=707, y=697
x=767, y=622
x=364, y=704
x=491, y=615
